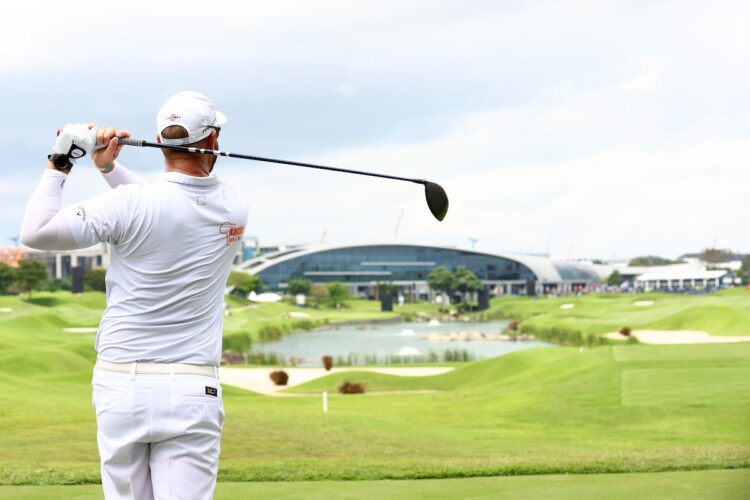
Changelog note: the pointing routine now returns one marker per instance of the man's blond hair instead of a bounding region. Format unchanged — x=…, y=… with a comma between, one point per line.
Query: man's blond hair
x=179, y=132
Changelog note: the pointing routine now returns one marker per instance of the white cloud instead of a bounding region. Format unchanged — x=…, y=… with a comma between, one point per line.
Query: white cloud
x=617, y=127
x=346, y=90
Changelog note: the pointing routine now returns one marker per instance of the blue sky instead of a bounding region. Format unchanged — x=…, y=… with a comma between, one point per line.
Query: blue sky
x=585, y=129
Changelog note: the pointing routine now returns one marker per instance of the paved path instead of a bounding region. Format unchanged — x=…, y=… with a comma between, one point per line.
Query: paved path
x=258, y=379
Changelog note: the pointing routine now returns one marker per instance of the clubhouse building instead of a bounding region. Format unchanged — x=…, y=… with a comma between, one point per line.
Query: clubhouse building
x=363, y=267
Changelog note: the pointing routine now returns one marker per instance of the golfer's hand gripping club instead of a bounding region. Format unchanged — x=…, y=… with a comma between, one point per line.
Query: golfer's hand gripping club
x=74, y=141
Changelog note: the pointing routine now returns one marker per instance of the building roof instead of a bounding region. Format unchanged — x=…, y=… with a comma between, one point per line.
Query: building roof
x=669, y=268
x=682, y=275
x=545, y=269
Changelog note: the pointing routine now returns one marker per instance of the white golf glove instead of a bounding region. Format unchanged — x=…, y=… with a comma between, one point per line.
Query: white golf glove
x=76, y=140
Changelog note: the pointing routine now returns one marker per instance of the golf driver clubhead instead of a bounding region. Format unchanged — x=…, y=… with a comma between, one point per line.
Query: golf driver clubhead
x=437, y=199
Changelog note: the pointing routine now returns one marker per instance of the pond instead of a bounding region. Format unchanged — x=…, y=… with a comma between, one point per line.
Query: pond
x=393, y=343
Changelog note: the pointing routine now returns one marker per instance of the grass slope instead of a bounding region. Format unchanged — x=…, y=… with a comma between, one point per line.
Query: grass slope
x=721, y=313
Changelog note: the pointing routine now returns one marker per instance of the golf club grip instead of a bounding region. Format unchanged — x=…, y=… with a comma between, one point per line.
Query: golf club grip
x=129, y=141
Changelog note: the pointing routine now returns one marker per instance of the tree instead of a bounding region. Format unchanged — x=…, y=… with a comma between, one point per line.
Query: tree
x=441, y=279
x=465, y=281
x=244, y=283
x=296, y=287
x=29, y=275
x=387, y=289
x=745, y=270
x=94, y=278
x=318, y=294
x=7, y=276
x=652, y=260
x=716, y=255
x=615, y=279
x=337, y=292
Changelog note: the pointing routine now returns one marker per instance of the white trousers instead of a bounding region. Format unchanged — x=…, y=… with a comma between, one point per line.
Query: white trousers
x=158, y=435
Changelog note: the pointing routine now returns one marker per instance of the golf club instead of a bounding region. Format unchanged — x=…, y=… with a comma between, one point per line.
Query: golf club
x=437, y=200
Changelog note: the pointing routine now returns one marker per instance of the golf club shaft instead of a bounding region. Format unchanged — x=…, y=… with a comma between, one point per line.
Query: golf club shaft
x=186, y=149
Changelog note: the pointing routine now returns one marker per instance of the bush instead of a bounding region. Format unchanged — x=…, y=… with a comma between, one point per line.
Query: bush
x=464, y=307
x=387, y=289
x=54, y=285
x=304, y=324
x=296, y=287
x=29, y=275
x=625, y=331
x=269, y=333
x=457, y=355
x=267, y=359
x=94, y=279
x=244, y=283
x=513, y=325
x=280, y=377
x=563, y=335
x=318, y=294
x=232, y=358
x=238, y=342
x=327, y=363
x=337, y=293
x=7, y=276
x=347, y=387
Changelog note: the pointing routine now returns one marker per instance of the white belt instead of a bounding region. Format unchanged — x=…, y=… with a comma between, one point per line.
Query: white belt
x=149, y=368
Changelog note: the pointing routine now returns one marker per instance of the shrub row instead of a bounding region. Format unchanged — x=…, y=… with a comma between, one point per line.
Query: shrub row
x=563, y=335
x=448, y=356
x=270, y=333
x=237, y=342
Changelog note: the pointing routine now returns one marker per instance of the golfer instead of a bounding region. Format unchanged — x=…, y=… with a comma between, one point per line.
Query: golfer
x=156, y=389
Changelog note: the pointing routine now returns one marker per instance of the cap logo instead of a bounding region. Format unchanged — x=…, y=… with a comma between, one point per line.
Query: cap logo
x=173, y=117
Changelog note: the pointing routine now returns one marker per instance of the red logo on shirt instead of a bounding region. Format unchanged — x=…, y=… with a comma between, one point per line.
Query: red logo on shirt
x=232, y=231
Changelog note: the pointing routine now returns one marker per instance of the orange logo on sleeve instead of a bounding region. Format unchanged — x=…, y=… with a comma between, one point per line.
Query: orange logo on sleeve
x=232, y=231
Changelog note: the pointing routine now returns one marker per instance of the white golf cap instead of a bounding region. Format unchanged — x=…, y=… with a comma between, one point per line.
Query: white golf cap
x=191, y=110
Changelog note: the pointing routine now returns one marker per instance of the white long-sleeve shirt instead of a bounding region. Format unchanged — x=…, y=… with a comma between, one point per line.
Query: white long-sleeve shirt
x=172, y=242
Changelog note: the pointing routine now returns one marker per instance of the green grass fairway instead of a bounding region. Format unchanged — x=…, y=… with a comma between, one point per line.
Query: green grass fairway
x=721, y=313
x=669, y=387
x=698, y=485
x=625, y=408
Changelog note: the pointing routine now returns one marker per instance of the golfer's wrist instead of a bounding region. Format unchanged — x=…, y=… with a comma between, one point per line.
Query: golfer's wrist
x=105, y=169
x=51, y=166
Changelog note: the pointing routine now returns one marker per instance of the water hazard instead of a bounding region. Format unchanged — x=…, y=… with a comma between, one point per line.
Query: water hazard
x=396, y=343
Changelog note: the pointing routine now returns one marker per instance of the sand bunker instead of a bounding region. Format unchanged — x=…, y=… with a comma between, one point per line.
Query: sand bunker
x=678, y=337
x=297, y=314
x=567, y=306
x=257, y=379
x=643, y=303
x=81, y=329
x=6, y=310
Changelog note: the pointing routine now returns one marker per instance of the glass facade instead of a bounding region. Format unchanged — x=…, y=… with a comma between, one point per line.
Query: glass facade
x=570, y=271
x=389, y=264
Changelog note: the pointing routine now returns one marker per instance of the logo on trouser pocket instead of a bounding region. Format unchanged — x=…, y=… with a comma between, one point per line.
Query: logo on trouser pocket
x=212, y=391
